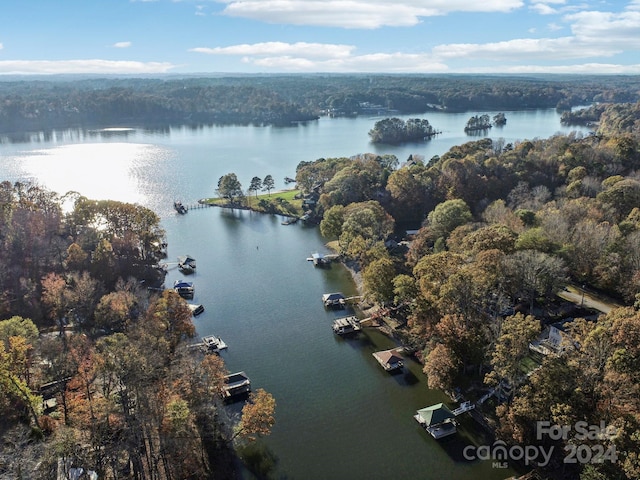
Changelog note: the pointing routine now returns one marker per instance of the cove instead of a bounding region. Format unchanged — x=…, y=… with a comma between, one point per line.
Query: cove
x=339, y=415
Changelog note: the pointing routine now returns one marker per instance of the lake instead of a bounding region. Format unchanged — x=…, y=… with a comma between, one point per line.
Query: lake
x=338, y=414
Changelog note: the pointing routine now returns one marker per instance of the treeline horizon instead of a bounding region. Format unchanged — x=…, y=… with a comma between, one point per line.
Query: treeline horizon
x=45, y=103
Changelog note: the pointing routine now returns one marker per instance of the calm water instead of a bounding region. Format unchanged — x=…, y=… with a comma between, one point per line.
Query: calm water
x=338, y=414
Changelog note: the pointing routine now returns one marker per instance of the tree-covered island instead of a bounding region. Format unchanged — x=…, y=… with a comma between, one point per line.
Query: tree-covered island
x=395, y=130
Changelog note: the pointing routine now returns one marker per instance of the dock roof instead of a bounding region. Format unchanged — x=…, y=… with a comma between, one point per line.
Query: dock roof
x=435, y=414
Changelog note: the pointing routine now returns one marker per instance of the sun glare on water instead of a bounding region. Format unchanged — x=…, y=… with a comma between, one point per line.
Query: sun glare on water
x=95, y=170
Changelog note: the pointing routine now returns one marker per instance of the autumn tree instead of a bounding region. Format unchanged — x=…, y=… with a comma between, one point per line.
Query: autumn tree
x=171, y=317
x=441, y=367
x=365, y=223
x=378, y=279
x=115, y=310
x=412, y=192
x=511, y=348
x=257, y=416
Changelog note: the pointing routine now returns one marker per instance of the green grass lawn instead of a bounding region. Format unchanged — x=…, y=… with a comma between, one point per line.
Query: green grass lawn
x=282, y=202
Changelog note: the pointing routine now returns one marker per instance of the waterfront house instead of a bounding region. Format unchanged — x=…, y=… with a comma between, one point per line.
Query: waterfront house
x=554, y=340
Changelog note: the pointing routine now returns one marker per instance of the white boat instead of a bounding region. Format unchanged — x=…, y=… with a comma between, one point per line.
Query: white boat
x=196, y=309
x=213, y=344
x=180, y=208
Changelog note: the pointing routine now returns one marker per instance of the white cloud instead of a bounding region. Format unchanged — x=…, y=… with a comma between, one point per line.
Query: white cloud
x=634, y=5
x=621, y=31
x=365, y=14
x=543, y=9
x=389, y=63
x=18, y=67
x=310, y=50
x=523, y=48
x=585, y=68
x=122, y=44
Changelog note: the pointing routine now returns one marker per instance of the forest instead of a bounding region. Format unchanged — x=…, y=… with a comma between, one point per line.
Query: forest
x=47, y=103
x=501, y=230
x=95, y=370
x=94, y=366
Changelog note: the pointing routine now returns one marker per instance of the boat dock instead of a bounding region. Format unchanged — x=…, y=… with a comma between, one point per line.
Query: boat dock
x=439, y=420
x=181, y=208
x=320, y=260
x=213, y=344
x=390, y=360
x=346, y=325
x=236, y=384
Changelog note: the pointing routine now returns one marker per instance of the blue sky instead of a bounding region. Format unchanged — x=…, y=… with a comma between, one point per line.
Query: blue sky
x=335, y=36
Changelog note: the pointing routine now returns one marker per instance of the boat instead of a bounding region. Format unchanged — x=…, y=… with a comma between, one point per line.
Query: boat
x=186, y=263
x=196, y=309
x=184, y=289
x=390, y=360
x=346, y=325
x=213, y=344
x=180, y=208
x=236, y=384
x=335, y=300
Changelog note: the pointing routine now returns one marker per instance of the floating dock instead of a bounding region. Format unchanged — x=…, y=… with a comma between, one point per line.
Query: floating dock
x=213, y=344
x=334, y=300
x=184, y=289
x=346, y=325
x=438, y=420
x=196, y=309
x=236, y=384
x=390, y=360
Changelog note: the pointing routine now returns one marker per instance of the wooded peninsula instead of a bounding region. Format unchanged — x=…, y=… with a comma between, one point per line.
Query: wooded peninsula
x=464, y=257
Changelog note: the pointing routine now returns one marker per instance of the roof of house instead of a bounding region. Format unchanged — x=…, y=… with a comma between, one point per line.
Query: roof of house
x=435, y=414
x=388, y=356
x=332, y=296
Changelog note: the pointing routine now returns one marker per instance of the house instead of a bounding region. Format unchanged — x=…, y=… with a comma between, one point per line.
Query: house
x=437, y=419
x=554, y=340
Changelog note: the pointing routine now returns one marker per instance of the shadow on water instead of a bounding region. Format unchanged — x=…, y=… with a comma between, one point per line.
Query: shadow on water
x=455, y=446
x=260, y=461
x=404, y=377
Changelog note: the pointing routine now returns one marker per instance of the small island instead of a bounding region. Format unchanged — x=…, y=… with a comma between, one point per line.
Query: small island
x=483, y=122
x=395, y=130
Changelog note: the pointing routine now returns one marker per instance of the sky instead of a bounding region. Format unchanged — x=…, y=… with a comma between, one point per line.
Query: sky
x=151, y=37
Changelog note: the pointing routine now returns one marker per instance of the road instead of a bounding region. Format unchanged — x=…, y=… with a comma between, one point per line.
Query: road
x=578, y=296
